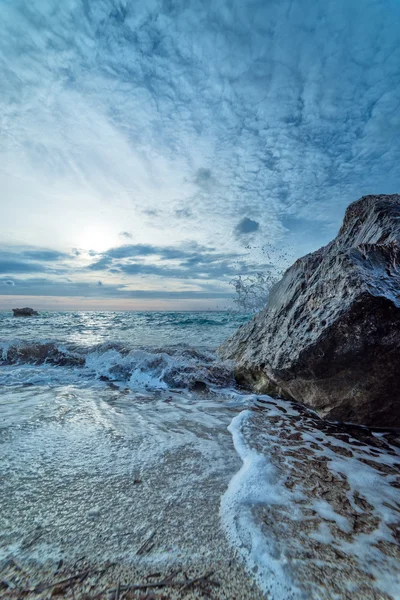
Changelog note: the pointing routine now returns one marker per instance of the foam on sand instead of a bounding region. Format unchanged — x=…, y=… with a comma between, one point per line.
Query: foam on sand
x=315, y=509
x=257, y=482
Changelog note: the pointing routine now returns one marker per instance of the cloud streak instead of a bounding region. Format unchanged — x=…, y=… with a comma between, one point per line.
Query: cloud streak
x=189, y=261
x=49, y=287
x=186, y=271
x=203, y=123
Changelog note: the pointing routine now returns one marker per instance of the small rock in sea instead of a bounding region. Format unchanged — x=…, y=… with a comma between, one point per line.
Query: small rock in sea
x=112, y=386
x=198, y=386
x=136, y=477
x=25, y=312
x=329, y=336
x=94, y=513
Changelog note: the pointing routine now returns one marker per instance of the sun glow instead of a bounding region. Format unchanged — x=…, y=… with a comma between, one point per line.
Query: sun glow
x=97, y=237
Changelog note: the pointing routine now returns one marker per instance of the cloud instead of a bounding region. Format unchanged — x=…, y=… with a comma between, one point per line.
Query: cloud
x=183, y=213
x=101, y=264
x=19, y=259
x=203, y=178
x=45, y=255
x=179, y=120
x=188, y=271
x=190, y=261
x=246, y=226
x=126, y=234
x=151, y=212
x=147, y=250
x=48, y=287
x=14, y=266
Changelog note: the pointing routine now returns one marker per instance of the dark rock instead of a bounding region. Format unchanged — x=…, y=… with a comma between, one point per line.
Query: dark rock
x=198, y=386
x=37, y=353
x=330, y=334
x=25, y=312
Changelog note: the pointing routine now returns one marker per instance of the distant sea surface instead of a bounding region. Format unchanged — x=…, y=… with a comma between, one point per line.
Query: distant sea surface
x=131, y=328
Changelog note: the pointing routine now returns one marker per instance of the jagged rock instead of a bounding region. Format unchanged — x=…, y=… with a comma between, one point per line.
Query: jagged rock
x=38, y=353
x=330, y=334
x=25, y=312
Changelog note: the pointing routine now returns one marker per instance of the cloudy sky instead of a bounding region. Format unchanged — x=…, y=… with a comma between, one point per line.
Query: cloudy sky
x=151, y=148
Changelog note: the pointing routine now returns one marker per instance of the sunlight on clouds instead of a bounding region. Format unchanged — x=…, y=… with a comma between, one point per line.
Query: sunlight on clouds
x=96, y=237
x=225, y=124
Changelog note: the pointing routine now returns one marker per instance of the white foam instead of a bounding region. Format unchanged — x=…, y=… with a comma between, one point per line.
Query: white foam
x=325, y=510
x=138, y=369
x=257, y=482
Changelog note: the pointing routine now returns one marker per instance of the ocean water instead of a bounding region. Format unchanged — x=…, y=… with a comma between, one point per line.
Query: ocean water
x=137, y=349
x=135, y=329
x=115, y=424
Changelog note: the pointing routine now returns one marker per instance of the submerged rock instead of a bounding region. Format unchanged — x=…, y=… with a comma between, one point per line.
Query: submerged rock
x=37, y=353
x=330, y=334
x=25, y=312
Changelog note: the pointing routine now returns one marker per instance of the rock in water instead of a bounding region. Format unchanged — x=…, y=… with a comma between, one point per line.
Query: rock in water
x=25, y=312
x=330, y=334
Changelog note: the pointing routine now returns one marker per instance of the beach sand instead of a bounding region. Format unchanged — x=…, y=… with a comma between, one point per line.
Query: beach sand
x=92, y=501
x=84, y=512
x=222, y=578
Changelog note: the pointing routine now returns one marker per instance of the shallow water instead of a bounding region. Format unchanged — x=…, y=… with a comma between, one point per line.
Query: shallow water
x=72, y=455
x=104, y=438
x=119, y=426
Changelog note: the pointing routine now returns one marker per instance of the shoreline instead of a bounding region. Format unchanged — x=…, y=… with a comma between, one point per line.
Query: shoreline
x=132, y=483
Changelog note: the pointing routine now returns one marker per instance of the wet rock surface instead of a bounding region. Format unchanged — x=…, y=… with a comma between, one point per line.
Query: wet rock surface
x=25, y=312
x=330, y=334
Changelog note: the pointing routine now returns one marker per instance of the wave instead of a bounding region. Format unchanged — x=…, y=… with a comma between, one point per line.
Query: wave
x=161, y=368
x=257, y=483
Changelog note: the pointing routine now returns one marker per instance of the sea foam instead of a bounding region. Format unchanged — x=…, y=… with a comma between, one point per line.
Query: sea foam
x=257, y=482
x=314, y=511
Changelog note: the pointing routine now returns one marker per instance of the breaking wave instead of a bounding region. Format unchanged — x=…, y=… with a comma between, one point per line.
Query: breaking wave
x=157, y=368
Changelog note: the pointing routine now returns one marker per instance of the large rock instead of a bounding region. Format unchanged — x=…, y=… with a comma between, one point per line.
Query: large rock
x=25, y=312
x=330, y=334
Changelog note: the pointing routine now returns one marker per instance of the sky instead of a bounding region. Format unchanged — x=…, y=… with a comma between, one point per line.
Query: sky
x=153, y=151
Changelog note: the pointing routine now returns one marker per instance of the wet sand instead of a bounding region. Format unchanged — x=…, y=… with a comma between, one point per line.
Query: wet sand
x=106, y=495
x=94, y=496
x=222, y=578
x=335, y=516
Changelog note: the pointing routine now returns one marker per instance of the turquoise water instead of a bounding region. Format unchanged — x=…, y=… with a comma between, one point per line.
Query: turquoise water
x=155, y=350
x=149, y=329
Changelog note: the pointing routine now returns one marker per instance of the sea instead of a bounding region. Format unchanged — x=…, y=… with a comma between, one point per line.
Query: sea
x=113, y=423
